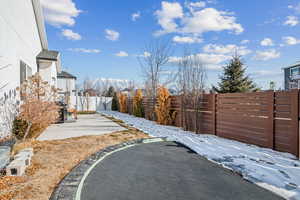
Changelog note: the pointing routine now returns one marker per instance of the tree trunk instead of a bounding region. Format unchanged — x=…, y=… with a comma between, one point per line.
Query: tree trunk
x=27, y=130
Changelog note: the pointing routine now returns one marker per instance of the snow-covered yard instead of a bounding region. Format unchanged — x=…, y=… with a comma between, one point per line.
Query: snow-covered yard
x=276, y=171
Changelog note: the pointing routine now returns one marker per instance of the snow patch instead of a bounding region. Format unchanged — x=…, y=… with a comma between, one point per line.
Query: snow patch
x=273, y=170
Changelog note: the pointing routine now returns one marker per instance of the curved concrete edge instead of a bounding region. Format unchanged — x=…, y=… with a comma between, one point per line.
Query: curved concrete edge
x=70, y=186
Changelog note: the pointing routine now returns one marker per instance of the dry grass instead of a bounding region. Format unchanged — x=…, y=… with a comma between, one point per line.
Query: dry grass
x=52, y=160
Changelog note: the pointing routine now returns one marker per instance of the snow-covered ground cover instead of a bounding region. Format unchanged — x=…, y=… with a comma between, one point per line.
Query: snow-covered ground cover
x=276, y=171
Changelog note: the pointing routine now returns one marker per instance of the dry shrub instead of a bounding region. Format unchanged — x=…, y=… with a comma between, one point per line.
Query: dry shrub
x=122, y=102
x=163, y=107
x=38, y=107
x=138, y=110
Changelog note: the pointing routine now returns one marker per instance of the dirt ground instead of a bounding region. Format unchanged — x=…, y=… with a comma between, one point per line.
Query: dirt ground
x=52, y=160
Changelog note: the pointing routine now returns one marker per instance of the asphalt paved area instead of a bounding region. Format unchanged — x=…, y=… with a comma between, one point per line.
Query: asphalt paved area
x=163, y=171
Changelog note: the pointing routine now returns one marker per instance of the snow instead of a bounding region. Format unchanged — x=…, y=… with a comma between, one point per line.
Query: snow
x=275, y=171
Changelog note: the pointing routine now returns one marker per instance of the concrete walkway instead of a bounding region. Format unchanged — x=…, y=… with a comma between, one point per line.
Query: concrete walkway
x=85, y=125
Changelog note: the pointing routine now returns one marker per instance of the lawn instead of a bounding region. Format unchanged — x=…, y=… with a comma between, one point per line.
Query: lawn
x=52, y=160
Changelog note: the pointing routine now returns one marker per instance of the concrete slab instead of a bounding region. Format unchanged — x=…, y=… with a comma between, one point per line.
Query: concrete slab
x=85, y=125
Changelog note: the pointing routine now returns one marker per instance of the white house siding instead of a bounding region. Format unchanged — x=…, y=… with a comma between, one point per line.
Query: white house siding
x=67, y=85
x=48, y=72
x=19, y=41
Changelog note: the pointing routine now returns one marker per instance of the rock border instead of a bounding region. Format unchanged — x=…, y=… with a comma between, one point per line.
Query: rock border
x=67, y=188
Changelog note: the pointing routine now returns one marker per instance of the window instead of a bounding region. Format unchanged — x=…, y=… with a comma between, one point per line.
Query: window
x=25, y=72
x=295, y=71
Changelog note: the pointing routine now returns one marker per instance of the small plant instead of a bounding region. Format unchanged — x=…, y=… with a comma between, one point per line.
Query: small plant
x=122, y=102
x=38, y=108
x=163, y=107
x=138, y=109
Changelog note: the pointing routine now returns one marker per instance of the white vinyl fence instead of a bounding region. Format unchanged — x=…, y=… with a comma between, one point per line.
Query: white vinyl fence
x=91, y=103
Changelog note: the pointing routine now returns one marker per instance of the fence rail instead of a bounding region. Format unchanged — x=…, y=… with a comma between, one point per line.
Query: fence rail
x=268, y=119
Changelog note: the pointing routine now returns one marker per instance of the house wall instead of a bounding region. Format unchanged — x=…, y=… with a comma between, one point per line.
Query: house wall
x=48, y=72
x=19, y=41
x=66, y=85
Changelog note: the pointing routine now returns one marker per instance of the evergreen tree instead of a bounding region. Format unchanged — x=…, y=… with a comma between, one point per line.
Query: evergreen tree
x=234, y=79
x=110, y=92
x=115, y=102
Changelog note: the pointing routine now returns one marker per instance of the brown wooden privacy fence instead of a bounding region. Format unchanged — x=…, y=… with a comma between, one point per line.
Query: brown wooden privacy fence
x=268, y=119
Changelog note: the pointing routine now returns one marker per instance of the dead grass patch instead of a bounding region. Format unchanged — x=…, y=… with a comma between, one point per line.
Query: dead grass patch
x=53, y=160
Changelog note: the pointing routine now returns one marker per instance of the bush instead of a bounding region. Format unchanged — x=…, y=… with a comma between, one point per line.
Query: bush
x=123, y=102
x=19, y=128
x=115, y=104
x=86, y=112
x=138, y=109
x=163, y=108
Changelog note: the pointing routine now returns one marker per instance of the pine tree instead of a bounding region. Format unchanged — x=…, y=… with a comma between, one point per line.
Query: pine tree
x=110, y=92
x=234, y=79
x=115, y=103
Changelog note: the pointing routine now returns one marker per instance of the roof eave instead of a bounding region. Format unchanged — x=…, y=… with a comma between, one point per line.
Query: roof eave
x=39, y=18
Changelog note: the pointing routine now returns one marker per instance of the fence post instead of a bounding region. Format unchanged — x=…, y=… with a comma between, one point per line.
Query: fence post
x=295, y=121
x=214, y=113
x=271, y=124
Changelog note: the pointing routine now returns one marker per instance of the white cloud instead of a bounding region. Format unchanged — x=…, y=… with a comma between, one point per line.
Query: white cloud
x=289, y=40
x=112, y=35
x=186, y=39
x=122, y=54
x=245, y=41
x=173, y=19
x=291, y=21
x=167, y=15
x=226, y=49
x=199, y=4
x=83, y=50
x=295, y=7
x=267, y=42
x=135, y=16
x=267, y=55
x=70, y=35
x=210, y=19
x=210, y=61
x=59, y=13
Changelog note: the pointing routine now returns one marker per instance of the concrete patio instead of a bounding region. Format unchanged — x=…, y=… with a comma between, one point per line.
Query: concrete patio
x=84, y=126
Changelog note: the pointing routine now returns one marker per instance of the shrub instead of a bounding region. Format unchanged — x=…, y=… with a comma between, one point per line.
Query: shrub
x=122, y=102
x=86, y=112
x=38, y=108
x=138, y=109
x=163, y=107
x=115, y=103
x=19, y=128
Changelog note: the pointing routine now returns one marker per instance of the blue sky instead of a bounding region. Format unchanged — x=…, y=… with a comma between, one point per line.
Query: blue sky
x=103, y=38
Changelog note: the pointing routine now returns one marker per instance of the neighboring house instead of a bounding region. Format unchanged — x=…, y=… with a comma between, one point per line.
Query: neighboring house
x=23, y=52
x=292, y=76
x=66, y=83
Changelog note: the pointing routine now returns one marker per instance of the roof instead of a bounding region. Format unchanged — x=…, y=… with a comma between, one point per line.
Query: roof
x=293, y=65
x=39, y=18
x=64, y=74
x=48, y=55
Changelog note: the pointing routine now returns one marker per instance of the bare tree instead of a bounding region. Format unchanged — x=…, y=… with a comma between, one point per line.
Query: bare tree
x=191, y=85
x=156, y=56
